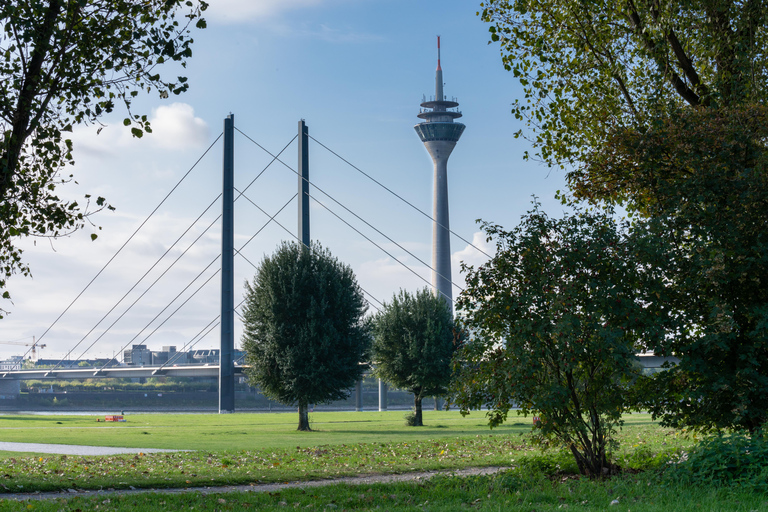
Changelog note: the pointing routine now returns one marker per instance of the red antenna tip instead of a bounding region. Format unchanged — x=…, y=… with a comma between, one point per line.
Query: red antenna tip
x=438, y=53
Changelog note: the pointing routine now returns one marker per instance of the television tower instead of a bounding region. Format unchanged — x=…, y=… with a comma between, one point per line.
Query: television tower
x=439, y=134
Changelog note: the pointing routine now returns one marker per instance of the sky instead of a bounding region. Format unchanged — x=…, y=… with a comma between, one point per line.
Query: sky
x=355, y=71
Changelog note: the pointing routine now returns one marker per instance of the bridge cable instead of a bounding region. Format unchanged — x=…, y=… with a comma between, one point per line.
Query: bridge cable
x=180, y=306
x=274, y=159
x=197, y=277
x=365, y=222
x=174, y=300
x=141, y=279
x=189, y=344
x=398, y=196
x=129, y=238
x=379, y=232
x=141, y=296
x=298, y=240
x=378, y=246
x=160, y=259
x=176, y=261
x=238, y=251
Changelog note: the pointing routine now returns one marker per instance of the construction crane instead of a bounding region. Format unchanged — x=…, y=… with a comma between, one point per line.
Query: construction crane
x=35, y=345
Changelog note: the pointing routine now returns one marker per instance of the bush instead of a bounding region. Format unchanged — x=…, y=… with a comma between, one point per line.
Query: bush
x=644, y=458
x=724, y=460
x=548, y=463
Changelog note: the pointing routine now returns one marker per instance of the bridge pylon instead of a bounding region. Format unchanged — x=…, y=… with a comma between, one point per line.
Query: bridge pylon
x=227, y=343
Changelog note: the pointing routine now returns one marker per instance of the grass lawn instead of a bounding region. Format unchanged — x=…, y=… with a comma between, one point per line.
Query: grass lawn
x=260, y=448
x=217, y=432
x=511, y=491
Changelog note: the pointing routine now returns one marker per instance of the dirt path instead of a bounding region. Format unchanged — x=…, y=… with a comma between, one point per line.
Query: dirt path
x=74, y=449
x=353, y=480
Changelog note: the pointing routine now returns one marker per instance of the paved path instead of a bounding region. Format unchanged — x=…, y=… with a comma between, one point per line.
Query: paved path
x=74, y=449
x=352, y=480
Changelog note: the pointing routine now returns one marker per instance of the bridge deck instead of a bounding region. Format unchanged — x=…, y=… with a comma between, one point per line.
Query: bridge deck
x=116, y=372
x=207, y=370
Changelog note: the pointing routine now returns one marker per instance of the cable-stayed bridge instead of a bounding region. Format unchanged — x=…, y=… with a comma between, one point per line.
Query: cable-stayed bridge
x=220, y=267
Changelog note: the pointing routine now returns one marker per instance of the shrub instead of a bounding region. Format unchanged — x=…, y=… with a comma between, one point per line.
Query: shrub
x=724, y=460
x=410, y=418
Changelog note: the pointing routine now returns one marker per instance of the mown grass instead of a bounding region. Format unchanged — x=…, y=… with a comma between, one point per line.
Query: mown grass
x=214, y=432
x=514, y=491
x=253, y=449
x=279, y=453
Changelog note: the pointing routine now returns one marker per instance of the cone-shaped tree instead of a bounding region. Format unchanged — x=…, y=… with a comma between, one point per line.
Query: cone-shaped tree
x=305, y=334
x=413, y=345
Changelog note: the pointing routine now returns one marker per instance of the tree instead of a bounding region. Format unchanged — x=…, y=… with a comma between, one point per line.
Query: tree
x=413, y=344
x=660, y=107
x=706, y=175
x=68, y=62
x=304, y=330
x=588, y=68
x=556, y=318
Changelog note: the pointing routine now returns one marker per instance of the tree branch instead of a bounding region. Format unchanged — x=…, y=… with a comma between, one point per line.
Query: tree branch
x=29, y=89
x=674, y=79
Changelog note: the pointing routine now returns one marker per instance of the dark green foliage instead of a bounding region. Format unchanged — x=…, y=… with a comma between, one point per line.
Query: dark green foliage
x=660, y=107
x=305, y=335
x=413, y=345
x=706, y=180
x=727, y=460
x=63, y=63
x=589, y=68
x=557, y=316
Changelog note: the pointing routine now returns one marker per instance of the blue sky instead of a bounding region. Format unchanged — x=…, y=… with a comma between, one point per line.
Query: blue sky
x=356, y=71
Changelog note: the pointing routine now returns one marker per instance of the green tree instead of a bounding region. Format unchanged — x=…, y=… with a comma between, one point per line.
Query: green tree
x=660, y=106
x=413, y=344
x=589, y=68
x=304, y=331
x=556, y=318
x=708, y=170
x=68, y=62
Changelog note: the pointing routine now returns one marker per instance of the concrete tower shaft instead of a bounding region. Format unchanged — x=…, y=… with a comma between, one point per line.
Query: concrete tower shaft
x=439, y=133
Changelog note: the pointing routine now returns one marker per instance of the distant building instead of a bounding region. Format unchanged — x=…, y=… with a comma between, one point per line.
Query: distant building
x=205, y=356
x=138, y=355
x=12, y=364
x=168, y=355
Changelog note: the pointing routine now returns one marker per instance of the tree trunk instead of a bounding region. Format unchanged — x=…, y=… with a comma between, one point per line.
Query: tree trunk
x=417, y=422
x=20, y=129
x=304, y=416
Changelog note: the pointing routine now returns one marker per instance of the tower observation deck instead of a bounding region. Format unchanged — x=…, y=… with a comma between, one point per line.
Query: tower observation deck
x=439, y=133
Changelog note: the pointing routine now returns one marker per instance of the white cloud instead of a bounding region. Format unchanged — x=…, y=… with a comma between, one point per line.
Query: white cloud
x=473, y=254
x=378, y=277
x=238, y=11
x=470, y=255
x=176, y=127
